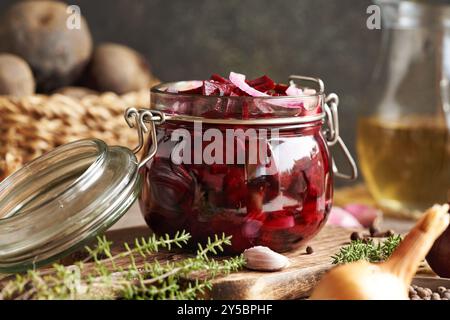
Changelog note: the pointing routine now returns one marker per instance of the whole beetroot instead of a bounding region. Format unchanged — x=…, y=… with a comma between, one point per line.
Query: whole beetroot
x=439, y=256
x=119, y=69
x=16, y=78
x=37, y=31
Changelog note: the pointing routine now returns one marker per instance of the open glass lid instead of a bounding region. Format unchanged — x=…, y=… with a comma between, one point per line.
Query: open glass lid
x=60, y=201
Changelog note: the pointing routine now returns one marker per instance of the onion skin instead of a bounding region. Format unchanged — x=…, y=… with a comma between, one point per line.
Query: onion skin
x=439, y=256
x=360, y=281
x=388, y=280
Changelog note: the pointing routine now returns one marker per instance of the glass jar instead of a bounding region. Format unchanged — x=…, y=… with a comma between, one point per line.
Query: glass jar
x=281, y=197
x=267, y=182
x=404, y=141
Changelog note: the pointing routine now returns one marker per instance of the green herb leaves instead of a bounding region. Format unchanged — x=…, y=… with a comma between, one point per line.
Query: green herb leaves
x=134, y=273
x=367, y=250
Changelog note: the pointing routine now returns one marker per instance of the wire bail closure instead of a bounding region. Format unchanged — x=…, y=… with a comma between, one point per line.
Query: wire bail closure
x=139, y=118
x=331, y=132
x=333, y=137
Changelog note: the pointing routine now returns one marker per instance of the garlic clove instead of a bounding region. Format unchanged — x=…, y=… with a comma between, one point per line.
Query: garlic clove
x=264, y=259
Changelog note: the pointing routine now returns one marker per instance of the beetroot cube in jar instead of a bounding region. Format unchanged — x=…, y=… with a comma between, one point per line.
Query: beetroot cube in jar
x=248, y=158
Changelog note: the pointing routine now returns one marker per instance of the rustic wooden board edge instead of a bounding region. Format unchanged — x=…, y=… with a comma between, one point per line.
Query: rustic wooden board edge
x=295, y=282
x=295, y=285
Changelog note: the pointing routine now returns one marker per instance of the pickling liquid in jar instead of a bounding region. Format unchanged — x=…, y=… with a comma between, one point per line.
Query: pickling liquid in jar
x=406, y=163
x=255, y=162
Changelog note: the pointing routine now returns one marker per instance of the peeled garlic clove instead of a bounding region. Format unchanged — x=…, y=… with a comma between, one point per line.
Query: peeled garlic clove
x=263, y=259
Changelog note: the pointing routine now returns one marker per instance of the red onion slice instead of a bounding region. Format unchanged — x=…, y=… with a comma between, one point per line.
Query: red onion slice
x=342, y=218
x=294, y=91
x=239, y=81
x=366, y=215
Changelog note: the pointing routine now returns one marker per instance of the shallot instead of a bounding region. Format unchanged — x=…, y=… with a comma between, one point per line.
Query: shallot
x=391, y=279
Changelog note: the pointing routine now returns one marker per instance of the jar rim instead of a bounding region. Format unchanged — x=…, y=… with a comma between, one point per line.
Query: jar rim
x=243, y=109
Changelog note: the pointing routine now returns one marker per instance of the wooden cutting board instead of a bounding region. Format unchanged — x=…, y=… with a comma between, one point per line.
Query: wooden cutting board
x=294, y=282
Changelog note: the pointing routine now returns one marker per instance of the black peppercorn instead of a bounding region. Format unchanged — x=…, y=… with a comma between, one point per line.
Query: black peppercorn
x=373, y=230
x=389, y=233
x=355, y=236
x=309, y=250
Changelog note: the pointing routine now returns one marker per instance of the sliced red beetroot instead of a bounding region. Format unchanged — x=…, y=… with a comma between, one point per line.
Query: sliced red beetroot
x=294, y=182
x=212, y=182
x=215, y=88
x=233, y=90
x=209, y=89
x=238, y=92
x=268, y=185
x=342, y=218
x=280, y=220
x=280, y=88
x=218, y=168
x=235, y=188
x=315, y=176
x=238, y=86
x=262, y=84
x=298, y=187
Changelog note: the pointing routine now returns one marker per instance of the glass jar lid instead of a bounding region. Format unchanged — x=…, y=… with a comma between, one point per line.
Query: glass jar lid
x=60, y=201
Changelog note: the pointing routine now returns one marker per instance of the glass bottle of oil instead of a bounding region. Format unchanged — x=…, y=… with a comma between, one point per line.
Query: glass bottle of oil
x=404, y=141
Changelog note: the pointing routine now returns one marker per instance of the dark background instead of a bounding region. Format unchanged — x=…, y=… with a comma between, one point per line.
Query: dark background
x=187, y=39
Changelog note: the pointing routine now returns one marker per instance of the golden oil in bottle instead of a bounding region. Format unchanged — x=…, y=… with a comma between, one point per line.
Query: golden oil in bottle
x=406, y=163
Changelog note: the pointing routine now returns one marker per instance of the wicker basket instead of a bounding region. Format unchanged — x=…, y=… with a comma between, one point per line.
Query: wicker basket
x=34, y=125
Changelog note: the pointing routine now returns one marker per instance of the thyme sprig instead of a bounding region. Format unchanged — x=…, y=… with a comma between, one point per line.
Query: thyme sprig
x=367, y=250
x=134, y=273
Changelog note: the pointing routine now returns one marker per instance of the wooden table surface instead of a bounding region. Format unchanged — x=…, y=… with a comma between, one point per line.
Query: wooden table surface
x=294, y=282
